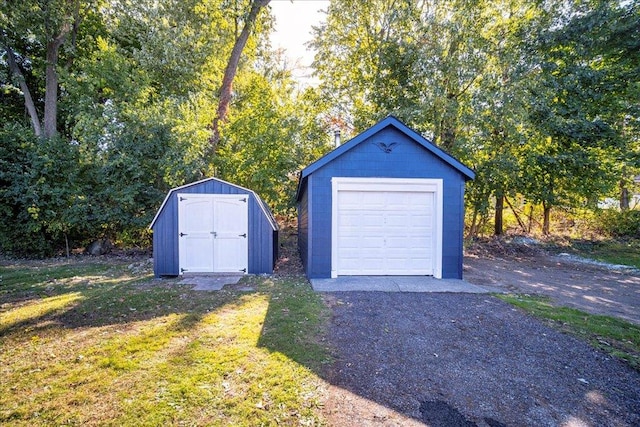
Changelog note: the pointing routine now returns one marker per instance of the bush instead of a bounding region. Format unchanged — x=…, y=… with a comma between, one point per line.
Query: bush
x=616, y=223
x=40, y=195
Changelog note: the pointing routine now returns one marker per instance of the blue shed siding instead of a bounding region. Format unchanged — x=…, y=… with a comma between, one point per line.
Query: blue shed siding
x=262, y=236
x=408, y=159
x=165, y=242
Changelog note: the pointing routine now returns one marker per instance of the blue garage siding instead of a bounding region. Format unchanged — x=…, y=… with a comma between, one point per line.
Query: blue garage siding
x=262, y=229
x=303, y=228
x=407, y=159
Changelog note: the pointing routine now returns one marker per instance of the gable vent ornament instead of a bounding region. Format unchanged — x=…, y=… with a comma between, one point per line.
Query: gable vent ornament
x=386, y=148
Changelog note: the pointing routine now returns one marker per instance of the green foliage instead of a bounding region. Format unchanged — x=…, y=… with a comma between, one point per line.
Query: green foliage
x=42, y=193
x=580, y=108
x=615, y=223
x=539, y=98
x=20, y=234
x=268, y=137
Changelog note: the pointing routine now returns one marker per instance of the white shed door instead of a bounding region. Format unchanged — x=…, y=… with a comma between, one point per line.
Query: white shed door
x=213, y=230
x=384, y=230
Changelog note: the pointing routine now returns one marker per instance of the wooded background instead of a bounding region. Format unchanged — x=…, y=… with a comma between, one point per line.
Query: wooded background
x=106, y=105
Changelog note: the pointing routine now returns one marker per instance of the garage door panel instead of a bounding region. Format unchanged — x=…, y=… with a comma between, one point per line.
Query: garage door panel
x=385, y=232
x=362, y=244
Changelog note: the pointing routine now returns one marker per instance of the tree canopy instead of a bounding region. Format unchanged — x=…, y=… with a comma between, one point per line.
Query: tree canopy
x=107, y=105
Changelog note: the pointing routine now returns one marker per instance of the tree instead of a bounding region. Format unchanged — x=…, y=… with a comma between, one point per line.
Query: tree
x=232, y=68
x=586, y=89
x=273, y=131
x=365, y=59
x=51, y=24
x=415, y=60
x=498, y=110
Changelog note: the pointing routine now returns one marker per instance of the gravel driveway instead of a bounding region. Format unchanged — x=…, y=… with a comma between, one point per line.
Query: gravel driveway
x=448, y=360
x=466, y=360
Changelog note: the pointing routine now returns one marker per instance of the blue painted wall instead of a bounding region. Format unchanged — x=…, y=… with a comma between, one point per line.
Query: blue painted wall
x=409, y=159
x=263, y=236
x=303, y=227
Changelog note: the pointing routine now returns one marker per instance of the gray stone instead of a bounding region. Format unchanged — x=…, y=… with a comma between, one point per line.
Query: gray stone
x=99, y=247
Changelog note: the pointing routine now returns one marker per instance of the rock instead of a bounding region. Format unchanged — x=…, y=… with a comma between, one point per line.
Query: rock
x=99, y=247
x=524, y=240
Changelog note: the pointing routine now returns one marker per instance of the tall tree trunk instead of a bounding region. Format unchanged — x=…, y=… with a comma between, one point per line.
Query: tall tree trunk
x=56, y=37
x=230, y=71
x=28, y=100
x=51, y=91
x=530, y=218
x=473, y=229
x=51, y=83
x=546, y=219
x=624, y=196
x=497, y=223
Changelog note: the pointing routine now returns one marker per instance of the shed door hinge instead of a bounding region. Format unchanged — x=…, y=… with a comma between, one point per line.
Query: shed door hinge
x=182, y=270
x=244, y=200
x=243, y=235
x=182, y=198
x=244, y=270
x=182, y=234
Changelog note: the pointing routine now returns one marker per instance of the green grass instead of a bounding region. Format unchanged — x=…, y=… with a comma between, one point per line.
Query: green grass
x=614, y=336
x=95, y=344
x=610, y=251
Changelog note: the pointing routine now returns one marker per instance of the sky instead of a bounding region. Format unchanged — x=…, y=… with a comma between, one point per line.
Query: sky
x=294, y=20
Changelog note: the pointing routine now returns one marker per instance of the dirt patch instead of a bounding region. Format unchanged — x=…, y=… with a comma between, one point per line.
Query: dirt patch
x=289, y=263
x=530, y=270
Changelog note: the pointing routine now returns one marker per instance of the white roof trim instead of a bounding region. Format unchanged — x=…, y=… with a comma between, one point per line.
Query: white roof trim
x=263, y=207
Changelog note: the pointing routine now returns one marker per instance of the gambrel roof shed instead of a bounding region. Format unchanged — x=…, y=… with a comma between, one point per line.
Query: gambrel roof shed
x=213, y=226
x=387, y=202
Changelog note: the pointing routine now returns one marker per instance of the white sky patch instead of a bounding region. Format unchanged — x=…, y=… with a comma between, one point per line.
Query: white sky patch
x=294, y=20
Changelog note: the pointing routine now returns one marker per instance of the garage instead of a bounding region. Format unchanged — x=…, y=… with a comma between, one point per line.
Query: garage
x=386, y=203
x=213, y=226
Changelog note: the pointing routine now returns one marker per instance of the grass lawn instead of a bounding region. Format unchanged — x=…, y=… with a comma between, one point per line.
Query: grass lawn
x=102, y=344
x=614, y=336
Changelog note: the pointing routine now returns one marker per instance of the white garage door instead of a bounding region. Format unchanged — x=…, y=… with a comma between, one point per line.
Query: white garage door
x=386, y=227
x=212, y=233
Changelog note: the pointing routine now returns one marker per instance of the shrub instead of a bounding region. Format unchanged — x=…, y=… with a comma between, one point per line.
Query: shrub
x=616, y=223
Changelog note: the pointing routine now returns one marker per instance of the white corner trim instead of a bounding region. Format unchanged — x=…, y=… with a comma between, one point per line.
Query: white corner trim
x=426, y=185
x=335, y=182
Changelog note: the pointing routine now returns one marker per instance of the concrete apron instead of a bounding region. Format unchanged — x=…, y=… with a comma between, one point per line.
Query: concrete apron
x=395, y=284
x=210, y=282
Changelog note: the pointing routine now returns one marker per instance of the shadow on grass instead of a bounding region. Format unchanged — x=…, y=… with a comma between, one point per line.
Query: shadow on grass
x=96, y=295
x=294, y=324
